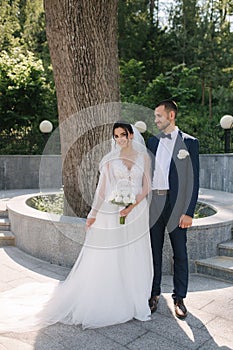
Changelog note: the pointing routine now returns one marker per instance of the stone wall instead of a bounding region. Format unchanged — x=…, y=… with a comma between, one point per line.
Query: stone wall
x=22, y=172
x=216, y=172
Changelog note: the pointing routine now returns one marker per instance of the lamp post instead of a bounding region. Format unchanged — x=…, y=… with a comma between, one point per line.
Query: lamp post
x=226, y=123
x=46, y=127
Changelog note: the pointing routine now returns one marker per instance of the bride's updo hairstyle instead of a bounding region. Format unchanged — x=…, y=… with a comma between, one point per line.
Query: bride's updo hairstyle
x=120, y=124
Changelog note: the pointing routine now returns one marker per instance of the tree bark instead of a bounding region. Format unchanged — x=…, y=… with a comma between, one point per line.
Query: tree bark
x=82, y=38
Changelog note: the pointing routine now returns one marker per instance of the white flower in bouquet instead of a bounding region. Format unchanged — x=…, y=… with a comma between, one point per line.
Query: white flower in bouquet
x=126, y=200
x=122, y=198
x=112, y=196
x=118, y=199
x=133, y=198
x=124, y=193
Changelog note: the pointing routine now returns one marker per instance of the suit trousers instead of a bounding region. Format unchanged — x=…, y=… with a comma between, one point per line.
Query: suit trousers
x=160, y=212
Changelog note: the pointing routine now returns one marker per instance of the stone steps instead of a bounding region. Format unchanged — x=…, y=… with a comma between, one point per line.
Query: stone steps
x=220, y=267
x=7, y=238
x=4, y=224
x=226, y=249
x=3, y=213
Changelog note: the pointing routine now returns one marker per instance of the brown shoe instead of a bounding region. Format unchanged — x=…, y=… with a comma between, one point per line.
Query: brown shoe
x=180, y=309
x=153, y=303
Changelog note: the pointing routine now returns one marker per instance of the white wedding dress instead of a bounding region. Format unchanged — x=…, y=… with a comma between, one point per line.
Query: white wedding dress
x=111, y=280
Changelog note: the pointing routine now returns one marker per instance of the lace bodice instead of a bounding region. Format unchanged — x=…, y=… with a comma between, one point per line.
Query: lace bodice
x=124, y=178
x=115, y=176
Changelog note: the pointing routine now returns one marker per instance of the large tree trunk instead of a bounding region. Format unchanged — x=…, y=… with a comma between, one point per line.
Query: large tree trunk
x=82, y=38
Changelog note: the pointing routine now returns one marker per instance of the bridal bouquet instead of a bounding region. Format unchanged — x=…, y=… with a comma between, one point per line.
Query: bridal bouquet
x=123, y=199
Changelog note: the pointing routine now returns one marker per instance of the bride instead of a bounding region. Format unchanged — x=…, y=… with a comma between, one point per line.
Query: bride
x=111, y=280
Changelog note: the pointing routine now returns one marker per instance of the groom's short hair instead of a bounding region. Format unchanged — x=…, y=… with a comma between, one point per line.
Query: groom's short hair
x=169, y=105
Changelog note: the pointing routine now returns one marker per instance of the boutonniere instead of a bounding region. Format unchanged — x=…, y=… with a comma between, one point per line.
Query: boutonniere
x=183, y=153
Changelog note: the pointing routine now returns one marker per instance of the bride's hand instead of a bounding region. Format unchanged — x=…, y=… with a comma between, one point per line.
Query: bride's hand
x=89, y=222
x=126, y=211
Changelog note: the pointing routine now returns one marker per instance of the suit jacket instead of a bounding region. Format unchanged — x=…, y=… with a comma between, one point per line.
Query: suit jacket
x=183, y=173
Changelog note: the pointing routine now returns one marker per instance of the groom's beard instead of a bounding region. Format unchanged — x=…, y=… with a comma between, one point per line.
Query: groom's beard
x=164, y=126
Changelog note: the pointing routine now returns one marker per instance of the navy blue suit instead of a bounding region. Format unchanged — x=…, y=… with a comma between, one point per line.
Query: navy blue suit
x=165, y=211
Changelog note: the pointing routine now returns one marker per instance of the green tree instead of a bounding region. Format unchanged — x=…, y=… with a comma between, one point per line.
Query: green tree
x=141, y=38
x=132, y=80
x=201, y=37
x=33, y=32
x=214, y=51
x=9, y=24
x=25, y=95
x=133, y=28
x=183, y=31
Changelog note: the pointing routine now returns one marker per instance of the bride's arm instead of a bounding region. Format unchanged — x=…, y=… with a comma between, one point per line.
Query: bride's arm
x=146, y=181
x=99, y=197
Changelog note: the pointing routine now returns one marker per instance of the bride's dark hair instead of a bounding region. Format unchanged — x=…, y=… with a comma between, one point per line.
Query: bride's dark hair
x=121, y=124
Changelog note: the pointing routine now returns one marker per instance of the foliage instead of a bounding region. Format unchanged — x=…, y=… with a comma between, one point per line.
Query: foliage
x=25, y=95
x=26, y=98
x=9, y=24
x=202, y=210
x=22, y=140
x=132, y=80
x=133, y=28
x=197, y=57
x=188, y=59
x=51, y=203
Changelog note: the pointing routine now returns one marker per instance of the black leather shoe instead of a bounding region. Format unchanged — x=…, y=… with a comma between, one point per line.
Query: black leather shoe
x=153, y=303
x=180, y=309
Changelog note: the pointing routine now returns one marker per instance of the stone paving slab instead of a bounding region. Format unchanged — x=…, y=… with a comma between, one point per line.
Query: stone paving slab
x=216, y=344
x=209, y=325
x=152, y=341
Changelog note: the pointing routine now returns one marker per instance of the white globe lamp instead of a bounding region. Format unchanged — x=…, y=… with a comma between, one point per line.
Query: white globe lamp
x=226, y=121
x=141, y=126
x=46, y=126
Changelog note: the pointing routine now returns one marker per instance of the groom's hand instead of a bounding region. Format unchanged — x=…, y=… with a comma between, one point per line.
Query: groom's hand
x=185, y=221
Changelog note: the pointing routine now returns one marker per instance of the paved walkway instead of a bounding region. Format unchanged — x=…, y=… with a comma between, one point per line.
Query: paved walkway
x=209, y=324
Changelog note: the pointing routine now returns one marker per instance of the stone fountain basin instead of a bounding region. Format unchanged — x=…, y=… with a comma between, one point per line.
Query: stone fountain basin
x=59, y=239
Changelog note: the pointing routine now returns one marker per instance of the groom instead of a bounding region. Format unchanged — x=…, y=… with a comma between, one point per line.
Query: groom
x=175, y=184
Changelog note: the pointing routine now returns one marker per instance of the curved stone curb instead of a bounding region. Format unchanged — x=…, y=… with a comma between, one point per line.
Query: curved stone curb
x=54, y=238
x=58, y=239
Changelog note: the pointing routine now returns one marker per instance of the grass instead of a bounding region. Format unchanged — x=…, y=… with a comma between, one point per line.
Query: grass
x=203, y=210
x=51, y=203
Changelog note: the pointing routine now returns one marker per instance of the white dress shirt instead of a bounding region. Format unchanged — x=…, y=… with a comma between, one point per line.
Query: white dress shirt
x=163, y=161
